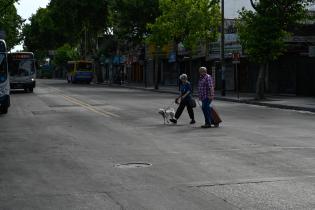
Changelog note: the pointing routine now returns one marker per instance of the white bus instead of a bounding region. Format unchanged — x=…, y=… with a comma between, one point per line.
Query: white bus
x=4, y=79
x=22, y=69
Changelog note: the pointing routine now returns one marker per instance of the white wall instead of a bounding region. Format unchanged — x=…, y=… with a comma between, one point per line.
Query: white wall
x=233, y=6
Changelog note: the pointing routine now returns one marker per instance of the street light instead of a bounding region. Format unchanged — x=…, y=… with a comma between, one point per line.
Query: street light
x=222, y=49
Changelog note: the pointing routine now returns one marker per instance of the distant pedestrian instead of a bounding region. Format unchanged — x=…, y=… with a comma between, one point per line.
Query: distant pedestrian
x=184, y=100
x=206, y=95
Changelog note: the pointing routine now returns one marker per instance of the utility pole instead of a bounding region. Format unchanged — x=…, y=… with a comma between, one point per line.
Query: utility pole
x=85, y=42
x=222, y=49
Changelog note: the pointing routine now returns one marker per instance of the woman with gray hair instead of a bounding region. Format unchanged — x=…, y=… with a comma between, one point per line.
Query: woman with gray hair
x=184, y=100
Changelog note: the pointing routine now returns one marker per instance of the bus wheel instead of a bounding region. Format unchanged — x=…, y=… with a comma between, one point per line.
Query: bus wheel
x=4, y=109
x=31, y=90
x=25, y=90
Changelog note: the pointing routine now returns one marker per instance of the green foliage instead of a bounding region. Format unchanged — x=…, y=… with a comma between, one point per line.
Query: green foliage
x=5, y=4
x=72, y=16
x=10, y=23
x=262, y=37
x=130, y=18
x=65, y=21
x=187, y=21
x=41, y=33
x=64, y=54
x=263, y=32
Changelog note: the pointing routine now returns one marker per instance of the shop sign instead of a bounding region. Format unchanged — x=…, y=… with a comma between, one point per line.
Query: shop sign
x=232, y=45
x=229, y=49
x=118, y=59
x=172, y=57
x=301, y=39
x=311, y=51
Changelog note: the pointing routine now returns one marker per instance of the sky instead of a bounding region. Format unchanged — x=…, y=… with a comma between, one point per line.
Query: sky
x=26, y=8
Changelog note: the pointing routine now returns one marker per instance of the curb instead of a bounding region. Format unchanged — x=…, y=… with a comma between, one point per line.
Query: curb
x=220, y=98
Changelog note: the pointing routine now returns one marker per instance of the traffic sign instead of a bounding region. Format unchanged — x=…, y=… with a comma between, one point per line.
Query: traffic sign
x=236, y=58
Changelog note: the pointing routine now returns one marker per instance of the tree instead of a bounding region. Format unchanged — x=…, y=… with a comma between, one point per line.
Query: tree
x=41, y=33
x=64, y=54
x=130, y=18
x=5, y=4
x=10, y=22
x=80, y=21
x=67, y=21
x=187, y=21
x=263, y=32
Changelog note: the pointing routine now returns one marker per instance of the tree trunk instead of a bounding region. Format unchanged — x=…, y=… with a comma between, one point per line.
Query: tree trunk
x=260, y=85
x=99, y=73
x=267, y=77
x=156, y=72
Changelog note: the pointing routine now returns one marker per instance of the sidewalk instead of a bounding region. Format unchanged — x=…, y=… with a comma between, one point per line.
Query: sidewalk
x=274, y=101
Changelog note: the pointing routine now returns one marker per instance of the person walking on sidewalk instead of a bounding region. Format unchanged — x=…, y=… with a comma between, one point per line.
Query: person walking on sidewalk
x=185, y=99
x=206, y=95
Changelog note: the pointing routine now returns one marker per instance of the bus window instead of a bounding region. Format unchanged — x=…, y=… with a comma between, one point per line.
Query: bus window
x=3, y=68
x=21, y=67
x=84, y=66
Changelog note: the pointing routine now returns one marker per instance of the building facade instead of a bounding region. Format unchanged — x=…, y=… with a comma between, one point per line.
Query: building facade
x=293, y=73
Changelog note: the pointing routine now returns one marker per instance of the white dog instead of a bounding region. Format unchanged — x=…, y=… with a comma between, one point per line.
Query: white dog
x=167, y=114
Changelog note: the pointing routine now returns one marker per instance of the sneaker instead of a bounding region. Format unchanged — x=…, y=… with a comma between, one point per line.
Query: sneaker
x=192, y=122
x=206, y=126
x=173, y=121
x=216, y=125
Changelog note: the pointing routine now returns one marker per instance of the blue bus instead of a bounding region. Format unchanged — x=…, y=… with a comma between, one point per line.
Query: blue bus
x=4, y=79
x=80, y=71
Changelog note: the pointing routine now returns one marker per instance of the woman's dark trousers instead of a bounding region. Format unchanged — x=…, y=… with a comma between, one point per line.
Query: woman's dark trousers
x=181, y=108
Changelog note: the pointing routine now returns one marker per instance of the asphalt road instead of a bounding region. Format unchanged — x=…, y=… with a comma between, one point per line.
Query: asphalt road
x=64, y=147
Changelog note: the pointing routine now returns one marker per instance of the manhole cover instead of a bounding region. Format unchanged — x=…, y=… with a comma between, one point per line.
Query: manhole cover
x=133, y=165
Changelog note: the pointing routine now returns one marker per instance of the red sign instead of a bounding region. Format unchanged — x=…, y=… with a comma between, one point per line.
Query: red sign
x=21, y=56
x=236, y=58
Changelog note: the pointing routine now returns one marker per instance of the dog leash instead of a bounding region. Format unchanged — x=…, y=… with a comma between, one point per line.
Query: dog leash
x=173, y=103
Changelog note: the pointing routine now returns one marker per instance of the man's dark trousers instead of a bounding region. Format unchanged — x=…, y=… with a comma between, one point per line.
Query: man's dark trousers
x=206, y=109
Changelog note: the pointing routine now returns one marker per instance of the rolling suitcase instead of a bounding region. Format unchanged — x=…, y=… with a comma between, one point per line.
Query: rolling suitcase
x=215, y=118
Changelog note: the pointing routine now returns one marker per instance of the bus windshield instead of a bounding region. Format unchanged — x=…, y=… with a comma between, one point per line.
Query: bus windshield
x=84, y=66
x=21, y=68
x=3, y=68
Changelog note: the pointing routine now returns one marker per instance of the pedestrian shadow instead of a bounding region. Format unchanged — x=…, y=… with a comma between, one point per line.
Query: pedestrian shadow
x=195, y=128
x=167, y=125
